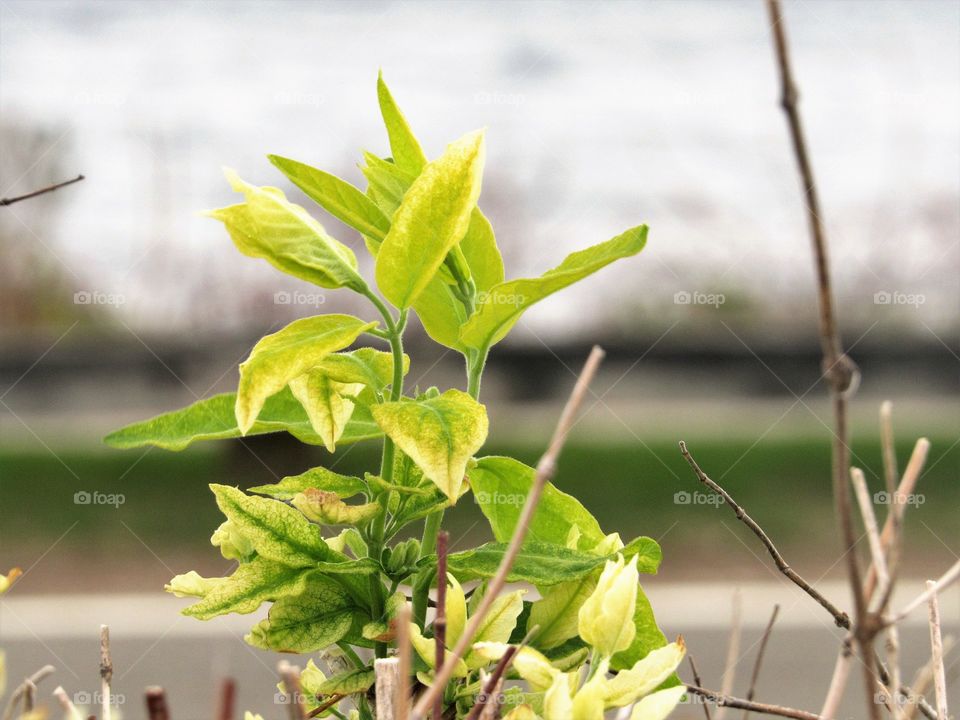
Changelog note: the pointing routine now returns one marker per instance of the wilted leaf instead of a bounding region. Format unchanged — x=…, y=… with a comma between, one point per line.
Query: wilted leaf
x=327, y=508
x=439, y=434
x=279, y=358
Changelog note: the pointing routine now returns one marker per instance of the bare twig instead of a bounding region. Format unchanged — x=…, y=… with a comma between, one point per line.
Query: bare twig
x=722, y=700
x=733, y=650
x=945, y=581
x=698, y=683
x=29, y=697
x=490, y=688
x=290, y=674
x=70, y=711
x=922, y=681
x=936, y=646
x=17, y=695
x=106, y=672
x=228, y=694
x=838, y=682
x=840, y=617
x=440, y=621
x=157, y=704
x=840, y=371
x=42, y=191
x=401, y=697
x=760, y=653
x=546, y=469
x=387, y=675
x=888, y=445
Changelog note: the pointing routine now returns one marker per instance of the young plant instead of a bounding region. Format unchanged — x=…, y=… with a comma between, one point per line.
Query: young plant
x=320, y=547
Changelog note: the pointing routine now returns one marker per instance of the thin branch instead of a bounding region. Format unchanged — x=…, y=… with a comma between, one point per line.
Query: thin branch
x=18, y=693
x=228, y=695
x=763, y=708
x=922, y=681
x=490, y=688
x=70, y=711
x=440, y=621
x=733, y=650
x=29, y=698
x=840, y=617
x=838, y=682
x=839, y=369
x=157, y=708
x=42, y=191
x=945, y=581
x=760, y=653
x=106, y=672
x=936, y=646
x=698, y=683
x=888, y=446
x=546, y=469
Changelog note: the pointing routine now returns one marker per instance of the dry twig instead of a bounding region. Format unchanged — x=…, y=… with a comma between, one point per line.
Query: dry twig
x=546, y=469
x=70, y=711
x=157, y=708
x=722, y=700
x=106, y=672
x=228, y=694
x=17, y=695
x=936, y=646
x=697, y=682
x=733, y=650
x=765, y=638
x=42, y=191
x=401, y=696
x=440, y=621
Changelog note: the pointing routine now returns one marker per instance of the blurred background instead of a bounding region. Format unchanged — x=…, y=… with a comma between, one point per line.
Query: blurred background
x=118, y=301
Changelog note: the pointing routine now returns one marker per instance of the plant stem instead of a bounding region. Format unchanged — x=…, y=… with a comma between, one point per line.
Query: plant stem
x=352, y=654
x=475, y=367
x=421, y=586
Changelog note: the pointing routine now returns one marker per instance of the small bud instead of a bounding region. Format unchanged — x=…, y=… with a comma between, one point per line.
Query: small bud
x=606, y=618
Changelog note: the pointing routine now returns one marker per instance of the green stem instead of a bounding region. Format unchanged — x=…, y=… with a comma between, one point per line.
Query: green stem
x=352, y=654
x=475, y=366
x=421, y=585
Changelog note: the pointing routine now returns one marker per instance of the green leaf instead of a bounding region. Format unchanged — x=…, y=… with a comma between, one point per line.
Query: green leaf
x=327, y=508
x=648, y=551
x=319, y=478
x=279, y=358
x=312, y=620
x=405, y=148
x=278, y=532
x=337, y=197
x=557, y=612
x=364, y=365
x=500, y=487
x=440, y=434
x=329, y=404
x=649, y=635
x=504, y=303
x=349, y=683
x=251, y=584
x=387, y=184
x=214, y=419
x=537, y=563
x=268, y=226
x=432, y=218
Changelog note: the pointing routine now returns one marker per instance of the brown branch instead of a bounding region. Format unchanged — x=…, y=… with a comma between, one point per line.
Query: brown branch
x=840, y=617
x=42, y=191
x=157, y=704
x=750, y=706
x=21, y=689
x=228, y=694
x=760, y=653
x=491, y=685
x=838, y=368
x=698, y=683
x=440, y=621
x=733, y=650
x=546, y=469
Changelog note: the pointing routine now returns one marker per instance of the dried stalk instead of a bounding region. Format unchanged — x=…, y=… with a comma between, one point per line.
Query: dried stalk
x=42, y=191
x=493, y=682
x=945, y=581
x=29, y=698
x=936, y=646
x=722, y=701
x=17, y=695
x=157, y=708
x=923, y=680
x=401, y=696
x=840, y=617
x=440, y=621
x=228, y=694
x=70, y=711
x=888, y=445
x=838, y=682
x=546, y=469
x=733, y=650
x=765, y=638
x=388, y=677
x=106, y=672
x=839, y=369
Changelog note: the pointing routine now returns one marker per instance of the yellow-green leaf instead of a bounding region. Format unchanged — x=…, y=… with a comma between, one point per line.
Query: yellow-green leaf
x=337, y=197
x=405, y=148
x=439, y=434
x=268, y=226
x=658, y=705
x=504, y=303
x=328, y=403
x=327, y=508
x=279, y=358
x=364, y=365
x=432, y=218
x=251, y=585
x=319, y=478
x=645, y=676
